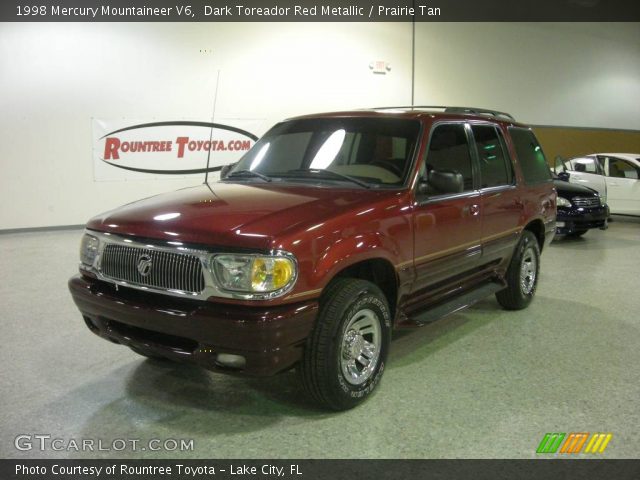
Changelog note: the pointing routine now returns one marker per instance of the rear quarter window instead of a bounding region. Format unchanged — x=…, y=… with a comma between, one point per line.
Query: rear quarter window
x=530, y=156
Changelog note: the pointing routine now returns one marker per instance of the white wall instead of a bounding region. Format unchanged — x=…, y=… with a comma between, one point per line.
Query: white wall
x=572, y=74
x=55, y=77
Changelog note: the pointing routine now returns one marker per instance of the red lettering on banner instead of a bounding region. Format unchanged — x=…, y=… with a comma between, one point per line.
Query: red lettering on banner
x=114, y=146
x=181, y=141
x=111, y=147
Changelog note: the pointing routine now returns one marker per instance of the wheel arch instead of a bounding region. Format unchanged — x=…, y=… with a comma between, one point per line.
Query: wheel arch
x=536, y=226
x=378, y=271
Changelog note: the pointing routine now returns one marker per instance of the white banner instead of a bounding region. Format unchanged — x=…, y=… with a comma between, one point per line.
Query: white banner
x=133, y=149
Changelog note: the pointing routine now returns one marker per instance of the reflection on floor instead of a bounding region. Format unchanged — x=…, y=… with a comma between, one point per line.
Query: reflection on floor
x=482, y=383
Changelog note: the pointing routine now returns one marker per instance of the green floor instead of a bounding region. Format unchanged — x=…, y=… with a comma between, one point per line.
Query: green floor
x=484, y=383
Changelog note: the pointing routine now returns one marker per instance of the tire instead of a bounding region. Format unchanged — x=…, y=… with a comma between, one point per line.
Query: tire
x=150, y=355
x=577, y=233
x=522, y=274
x=331, y=368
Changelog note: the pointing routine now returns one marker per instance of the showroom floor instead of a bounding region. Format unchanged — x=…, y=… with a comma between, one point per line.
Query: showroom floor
x=482, y=383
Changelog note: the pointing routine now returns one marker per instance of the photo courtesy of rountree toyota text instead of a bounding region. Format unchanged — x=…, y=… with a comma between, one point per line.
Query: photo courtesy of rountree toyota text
x=320, y=239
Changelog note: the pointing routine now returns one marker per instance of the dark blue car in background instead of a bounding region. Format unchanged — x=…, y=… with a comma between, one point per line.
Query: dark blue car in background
x=579, y=209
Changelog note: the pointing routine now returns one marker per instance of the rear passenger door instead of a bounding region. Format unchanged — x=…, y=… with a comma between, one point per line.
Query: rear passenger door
x=447, y=225
x=499, y=198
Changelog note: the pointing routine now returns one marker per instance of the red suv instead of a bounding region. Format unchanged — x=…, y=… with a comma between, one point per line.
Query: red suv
x=333, y=230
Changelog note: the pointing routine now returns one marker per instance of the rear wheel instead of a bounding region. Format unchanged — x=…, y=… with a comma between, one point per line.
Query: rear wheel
x=345, y=354
x=522, y=274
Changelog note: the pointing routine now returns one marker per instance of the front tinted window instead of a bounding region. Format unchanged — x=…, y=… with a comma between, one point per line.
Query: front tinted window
x=374, y=150
x=449, y=151
x=495, y=165
x=530, y=156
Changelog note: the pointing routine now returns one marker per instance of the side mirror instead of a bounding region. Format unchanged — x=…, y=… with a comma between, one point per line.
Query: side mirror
x=441, y=182
x=564, y=176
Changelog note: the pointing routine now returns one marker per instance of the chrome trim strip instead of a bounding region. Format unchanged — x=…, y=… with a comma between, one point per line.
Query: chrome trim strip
x=304, y=294
x=448, y=196
x=498, y=188
x=211, y=288
x=460, y=248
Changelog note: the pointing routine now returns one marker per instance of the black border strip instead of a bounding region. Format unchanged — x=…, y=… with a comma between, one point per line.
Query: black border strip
x=540, y=468
x=351, y=11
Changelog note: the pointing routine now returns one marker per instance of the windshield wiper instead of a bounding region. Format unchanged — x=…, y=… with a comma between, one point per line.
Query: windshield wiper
x=332, y=173
x=240, y=173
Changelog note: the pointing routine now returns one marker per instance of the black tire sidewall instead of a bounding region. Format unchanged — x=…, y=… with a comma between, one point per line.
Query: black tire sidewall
x=528, y=241
x=342, y=393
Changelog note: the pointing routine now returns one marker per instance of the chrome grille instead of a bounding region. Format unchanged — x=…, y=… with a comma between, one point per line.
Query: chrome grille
x=169, y=271
x=586, y=202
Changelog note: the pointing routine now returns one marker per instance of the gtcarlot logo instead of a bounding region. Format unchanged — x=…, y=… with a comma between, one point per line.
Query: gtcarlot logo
x=45, y=442
x=574, y=442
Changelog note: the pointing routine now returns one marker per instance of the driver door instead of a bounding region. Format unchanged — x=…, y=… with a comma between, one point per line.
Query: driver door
x=447, y=226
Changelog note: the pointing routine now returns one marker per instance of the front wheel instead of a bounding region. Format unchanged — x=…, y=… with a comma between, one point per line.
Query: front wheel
x=522, y=274
x=345, y=354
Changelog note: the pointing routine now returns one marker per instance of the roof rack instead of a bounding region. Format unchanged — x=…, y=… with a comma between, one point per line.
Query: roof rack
x=471, y=110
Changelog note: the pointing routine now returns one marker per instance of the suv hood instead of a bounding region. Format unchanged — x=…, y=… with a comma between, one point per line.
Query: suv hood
x=231, y=214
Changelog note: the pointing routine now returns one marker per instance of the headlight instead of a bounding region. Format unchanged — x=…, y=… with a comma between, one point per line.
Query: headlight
x=259, y=274
x=563, y=202
x=88, y=249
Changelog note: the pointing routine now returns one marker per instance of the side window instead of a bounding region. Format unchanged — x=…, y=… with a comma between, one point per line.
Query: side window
x=495, y=165
x=622, y=169
x=585, y=165
x=449, y=153
x=532, y=162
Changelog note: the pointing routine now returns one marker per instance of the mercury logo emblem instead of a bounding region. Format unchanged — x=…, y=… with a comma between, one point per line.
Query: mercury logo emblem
x=144, y=265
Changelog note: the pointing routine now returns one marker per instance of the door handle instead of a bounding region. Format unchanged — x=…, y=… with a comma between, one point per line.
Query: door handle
x=474, y=209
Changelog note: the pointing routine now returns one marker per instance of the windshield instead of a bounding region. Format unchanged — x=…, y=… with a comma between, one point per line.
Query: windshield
x=364, y=151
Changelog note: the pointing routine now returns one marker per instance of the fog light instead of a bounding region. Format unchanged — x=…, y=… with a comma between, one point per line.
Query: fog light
x=231, y=361
x=560, y=224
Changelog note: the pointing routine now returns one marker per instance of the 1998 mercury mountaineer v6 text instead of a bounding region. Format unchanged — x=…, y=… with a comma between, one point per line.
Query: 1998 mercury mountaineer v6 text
x=330, y=232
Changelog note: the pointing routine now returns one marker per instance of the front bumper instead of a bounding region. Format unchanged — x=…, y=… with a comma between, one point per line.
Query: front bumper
x=579, y=219
x=270, y=339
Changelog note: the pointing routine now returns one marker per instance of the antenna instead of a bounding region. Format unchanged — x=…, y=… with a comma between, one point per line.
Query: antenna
x=213, y=114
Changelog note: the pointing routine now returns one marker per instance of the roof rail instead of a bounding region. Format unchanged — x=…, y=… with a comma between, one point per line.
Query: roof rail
x=471, y=110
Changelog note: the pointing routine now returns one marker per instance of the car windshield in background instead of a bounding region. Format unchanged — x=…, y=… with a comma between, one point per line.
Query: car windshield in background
x=366, y=152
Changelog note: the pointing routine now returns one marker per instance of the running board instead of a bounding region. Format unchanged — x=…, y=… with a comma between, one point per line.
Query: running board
x=457, y=303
